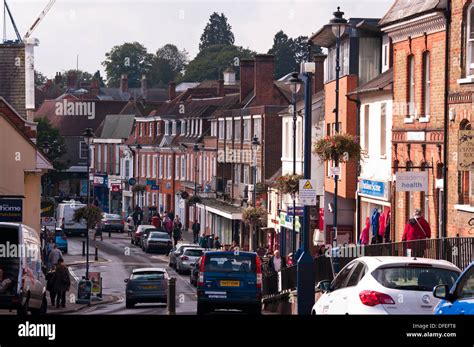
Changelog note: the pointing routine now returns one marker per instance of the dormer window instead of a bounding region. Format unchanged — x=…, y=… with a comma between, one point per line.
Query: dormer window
x=183, y=127
x=141, y=129
x=178, y=127
x=158, y=130
x=167, y=128
x=192, y=127
x=173, y=132
x=150, y=131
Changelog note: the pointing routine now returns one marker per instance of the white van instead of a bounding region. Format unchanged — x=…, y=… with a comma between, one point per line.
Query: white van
x=65, y=215
x=23, y=284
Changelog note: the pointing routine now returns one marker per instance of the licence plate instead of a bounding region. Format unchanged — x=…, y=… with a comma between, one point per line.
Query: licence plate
x=149, y=287
x=230, y=283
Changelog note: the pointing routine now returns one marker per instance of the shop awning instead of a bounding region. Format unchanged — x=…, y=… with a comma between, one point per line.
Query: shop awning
x=222, y=209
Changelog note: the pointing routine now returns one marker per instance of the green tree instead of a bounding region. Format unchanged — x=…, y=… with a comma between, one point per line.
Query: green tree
x=216, y=32
x=212, y=61
x=40, y=79
x=81, y=76
x=168, y=65
x=91, y=214
x=57, y=148
x=131, y=59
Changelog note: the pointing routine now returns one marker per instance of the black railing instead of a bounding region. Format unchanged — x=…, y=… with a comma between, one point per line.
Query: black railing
x=459, y=251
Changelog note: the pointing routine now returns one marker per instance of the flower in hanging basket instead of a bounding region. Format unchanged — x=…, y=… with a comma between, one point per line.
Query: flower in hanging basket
x=91, y=214
x=339, y=148
x=195, y=199
x=254, y=215
x=139, y=188
x=288, y=184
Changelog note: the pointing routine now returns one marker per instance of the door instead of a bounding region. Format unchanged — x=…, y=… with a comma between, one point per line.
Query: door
x=335, y=301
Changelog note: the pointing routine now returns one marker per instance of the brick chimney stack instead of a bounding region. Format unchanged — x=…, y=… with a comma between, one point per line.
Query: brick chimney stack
x=220, y=88
x=124, y=84
x=247, y=77
x=72, y=80
x=172, y=90
x=94, y=87
x=58, y=78
x=263, y=86
x=318, y=80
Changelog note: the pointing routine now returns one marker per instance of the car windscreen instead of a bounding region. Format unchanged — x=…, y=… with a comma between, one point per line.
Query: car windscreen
x=414, y=278
x=230, y=263
x=148, y=276
x=193, y=252
x=155, y=235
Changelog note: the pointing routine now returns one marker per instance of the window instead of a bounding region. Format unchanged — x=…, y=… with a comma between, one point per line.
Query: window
x=183, y=167
x=424, y=198
x=370, y=59
x=383, y=129
x=257, y=127
x=169, y=166
x=470, y=41
x=237, y=177
x=221, y=129
x=154, y=166
x=160, y=166
x=426, y=84
x=340, y=281
x=148, y=166
x=167, y=130
x=246, y=169
x=237, y=130
x=228, y=124
x=111, y=159
x=104, y=168
x=117, y=160
x=356, y=275
x=83, y=150
x=173, y=132
x=150, y=129
x=158, y=130
x=409, y=195
x=247, y=130
x=411, y=86
x=366, y=128
x=176, y=168
x=127, y=169
x=464, y=177
x=465, y=288
x=141, y=129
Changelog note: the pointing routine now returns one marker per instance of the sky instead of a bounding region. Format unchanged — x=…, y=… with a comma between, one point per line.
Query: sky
x=88, y=29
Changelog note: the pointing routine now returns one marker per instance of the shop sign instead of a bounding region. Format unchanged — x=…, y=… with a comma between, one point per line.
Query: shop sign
x=412, y=181
x=466, y=150
x=373, y=188
x=11, y=210
x=115, y=188
x=101, y=181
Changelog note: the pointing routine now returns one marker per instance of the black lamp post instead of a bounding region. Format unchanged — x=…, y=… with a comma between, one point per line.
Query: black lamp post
x=295, y=84
x=138, y=147
x=196, y=171
x=255, y=145
x=338, y=25
x=88, y=138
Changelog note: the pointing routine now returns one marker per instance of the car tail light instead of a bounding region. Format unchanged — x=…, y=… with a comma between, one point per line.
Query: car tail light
x=373, y=298
x=183, y=257
x=201, y=272
x=122, y=222
x=259, y=273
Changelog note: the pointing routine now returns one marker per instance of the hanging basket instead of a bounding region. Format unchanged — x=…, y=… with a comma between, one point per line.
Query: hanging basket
x=193, y=200
x=339, y=148
x=139, y=188
x=254, y=215
x=288, y=184
x=91, y=214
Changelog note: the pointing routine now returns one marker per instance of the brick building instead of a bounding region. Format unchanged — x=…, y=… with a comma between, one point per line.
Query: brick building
x=417, y=31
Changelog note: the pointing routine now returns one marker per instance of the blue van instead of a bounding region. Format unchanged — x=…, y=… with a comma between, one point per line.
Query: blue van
x=229, y=280
x=460, y=298
x=60, y=240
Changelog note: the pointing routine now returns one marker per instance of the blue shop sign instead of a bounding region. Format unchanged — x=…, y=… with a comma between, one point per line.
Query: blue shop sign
x=154, y=187
x=150, y=182
x=372, y=188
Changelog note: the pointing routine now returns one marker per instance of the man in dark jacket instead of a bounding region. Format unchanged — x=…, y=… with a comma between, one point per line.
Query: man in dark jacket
x=196, y=230
x=277, y=262
x=62, y=283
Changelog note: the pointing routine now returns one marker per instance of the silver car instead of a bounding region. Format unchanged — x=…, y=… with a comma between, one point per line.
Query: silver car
x=146, y=285
x=177, y=251
x=190, y=256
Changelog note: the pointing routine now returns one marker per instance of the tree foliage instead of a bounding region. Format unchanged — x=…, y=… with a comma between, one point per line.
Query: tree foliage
x=57, y=148
x=91, y=214
x=216, y=32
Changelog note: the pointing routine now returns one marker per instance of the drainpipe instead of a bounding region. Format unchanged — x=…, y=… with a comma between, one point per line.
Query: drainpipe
x=444, y=229
x=358, y=212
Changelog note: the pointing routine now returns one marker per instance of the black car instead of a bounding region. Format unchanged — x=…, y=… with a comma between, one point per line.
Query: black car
x=158, y=241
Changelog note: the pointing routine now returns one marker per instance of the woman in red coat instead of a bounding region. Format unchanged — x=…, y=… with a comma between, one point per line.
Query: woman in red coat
x=417, y=228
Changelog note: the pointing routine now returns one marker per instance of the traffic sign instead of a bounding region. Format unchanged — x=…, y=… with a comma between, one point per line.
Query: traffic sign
x=307, y=192
x=132, y=181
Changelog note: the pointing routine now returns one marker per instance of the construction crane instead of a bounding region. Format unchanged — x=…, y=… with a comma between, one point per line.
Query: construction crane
x=39, y=19
x=6, y=10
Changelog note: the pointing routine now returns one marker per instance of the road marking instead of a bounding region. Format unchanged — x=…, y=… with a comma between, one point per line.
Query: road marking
x=73, y=274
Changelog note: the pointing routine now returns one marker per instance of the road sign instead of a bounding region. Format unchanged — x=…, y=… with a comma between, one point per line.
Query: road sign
x=132, y=181
x=307, y=192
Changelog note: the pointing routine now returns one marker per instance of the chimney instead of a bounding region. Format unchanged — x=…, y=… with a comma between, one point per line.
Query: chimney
x=94, y=87
x=263, y=86
x=144, y=87
x=172, y=90
x=229, y=76
x=48, y=85
x=124, y=84
x=319, y=59
x=220, y=88
x=58, y=78
x=71, y=80
x=247, y=76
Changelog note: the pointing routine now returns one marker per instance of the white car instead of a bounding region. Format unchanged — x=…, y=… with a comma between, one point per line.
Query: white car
x=190, y=256
x=385, y=285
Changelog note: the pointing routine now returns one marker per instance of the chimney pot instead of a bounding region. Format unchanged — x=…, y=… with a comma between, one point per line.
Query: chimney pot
x=172, y=91
x=220, y=88
x=124, y=84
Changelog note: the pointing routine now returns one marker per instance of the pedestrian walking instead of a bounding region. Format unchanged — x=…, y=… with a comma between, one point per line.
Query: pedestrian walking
x=196, y=230
x=417, y=228
x=217, y=243
x=203, y=241
x=62, y=283
x=210, y=241
x=50, y=279
x=54, y=256
x=177, y=230
x=137, y=216
x=98, y=233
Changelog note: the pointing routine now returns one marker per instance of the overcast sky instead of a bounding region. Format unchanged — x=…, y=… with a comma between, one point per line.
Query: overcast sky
x=91, y=28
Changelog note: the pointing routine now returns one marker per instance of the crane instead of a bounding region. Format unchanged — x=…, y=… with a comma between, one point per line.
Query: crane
x=39, y=19
x=7, y=9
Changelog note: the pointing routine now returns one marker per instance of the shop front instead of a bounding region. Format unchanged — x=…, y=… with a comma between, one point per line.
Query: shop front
x=115, y=197
x=289, y=240
x=101, y=191
x=375, y=206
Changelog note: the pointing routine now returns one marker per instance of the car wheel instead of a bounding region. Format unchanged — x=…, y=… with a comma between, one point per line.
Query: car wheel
x=42, y=310
x=129, y=304
x=202, y=309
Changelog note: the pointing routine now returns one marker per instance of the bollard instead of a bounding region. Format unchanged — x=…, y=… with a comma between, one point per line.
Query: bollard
x=110, y=233
x=171, y=296
x=96, y=253
x=83, y=248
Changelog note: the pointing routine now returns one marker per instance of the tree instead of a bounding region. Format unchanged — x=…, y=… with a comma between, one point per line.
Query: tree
x=212, y=61
x=216, y=32
x=289, y=53
x=40, y=79
x=168, y=65
x=131, y=59
x=91, y=214
x=57, y=148
x=176, y=58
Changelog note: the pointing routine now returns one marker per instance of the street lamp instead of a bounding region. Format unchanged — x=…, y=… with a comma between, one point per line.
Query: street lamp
x=255, y=145
x=88, y=138
x=338, y=25
x=295, y=85
x=196, y=170
x=138, y=147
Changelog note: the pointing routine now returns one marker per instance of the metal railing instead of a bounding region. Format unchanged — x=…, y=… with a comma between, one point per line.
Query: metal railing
x=457, y=250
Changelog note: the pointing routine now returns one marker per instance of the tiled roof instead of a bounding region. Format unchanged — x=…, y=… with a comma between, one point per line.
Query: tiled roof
x=383, y=81
x=117, y=126
x=405, y=9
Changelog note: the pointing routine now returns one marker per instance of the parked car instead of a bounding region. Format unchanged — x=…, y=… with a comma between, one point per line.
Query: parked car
x=385, y=285
x=146, y=285
x=458, y=299
x=23, y=282
x=229, y=280
x=112, y=222
x=158, y=241
x=137, y=234
x=60, y=239
x=144, y=236
x=194, y=273
x=176, y=251
x=190, y=255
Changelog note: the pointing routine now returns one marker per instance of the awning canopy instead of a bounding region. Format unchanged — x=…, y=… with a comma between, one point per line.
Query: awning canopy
x=222, y=209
